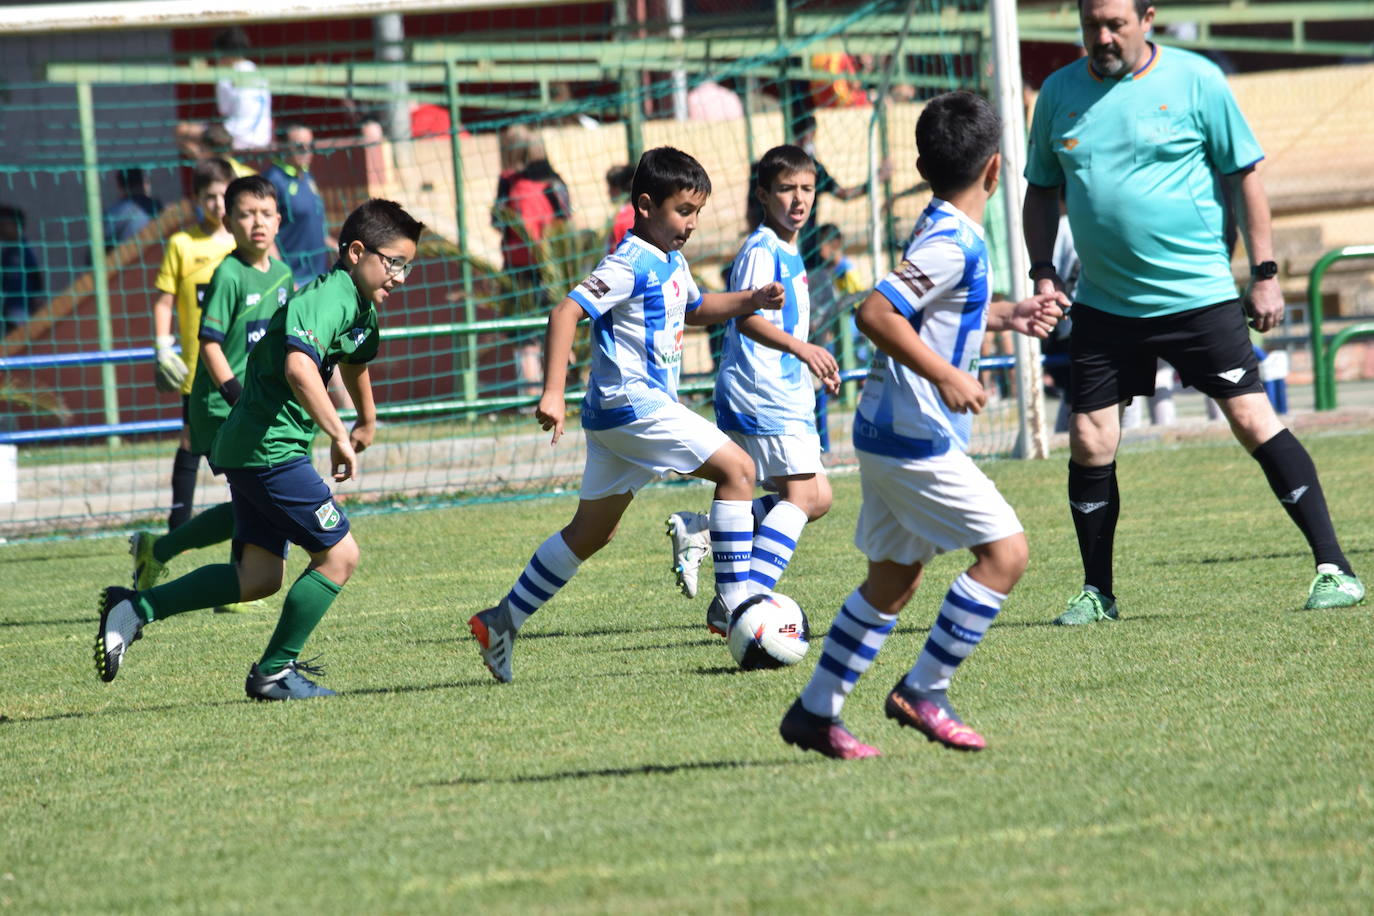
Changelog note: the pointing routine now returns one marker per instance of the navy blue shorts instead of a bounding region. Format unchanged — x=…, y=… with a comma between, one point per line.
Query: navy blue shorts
x=274, y=507
x=1112, y=358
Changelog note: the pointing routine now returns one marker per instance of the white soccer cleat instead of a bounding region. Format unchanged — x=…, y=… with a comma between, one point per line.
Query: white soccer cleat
x=120, y=625
x=690, y=533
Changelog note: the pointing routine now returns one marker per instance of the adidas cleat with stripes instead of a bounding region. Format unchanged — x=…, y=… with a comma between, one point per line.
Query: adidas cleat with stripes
x=290, y=683
x=930, y=714
x=495, y=639
x=829, y=737
x=120, y=625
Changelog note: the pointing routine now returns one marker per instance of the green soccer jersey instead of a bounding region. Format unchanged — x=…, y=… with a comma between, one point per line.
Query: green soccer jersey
x=1141, y=159
x=238, y=306
x=329, y=322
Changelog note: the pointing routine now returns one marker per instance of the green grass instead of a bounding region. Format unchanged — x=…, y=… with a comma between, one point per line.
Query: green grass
x=1210, y=752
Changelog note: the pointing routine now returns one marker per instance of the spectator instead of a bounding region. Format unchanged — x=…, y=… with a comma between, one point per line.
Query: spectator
x=710, y=101
x=805, y=130
x=530, y=197
x=218, y=142
x=618, y=182
x=835, y=287
x=135, y=209
x=245, y=103
x=303, y=241
x=843, y=91
x=21, y=277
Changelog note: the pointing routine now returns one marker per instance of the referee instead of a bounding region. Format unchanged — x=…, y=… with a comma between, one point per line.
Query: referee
x=1142, y=138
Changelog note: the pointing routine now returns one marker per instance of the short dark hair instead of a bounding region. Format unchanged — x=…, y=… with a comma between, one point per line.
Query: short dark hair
x=826, y=232
x=956, y=134
x=218, y=138
x=1141, y=8
x=620, y=177
x=233, y=40
x=663, y=171
x=783, y=160
x=803, y=124
x=208, y=171
x=255, y=185
x=128, y=179
x=377, y=223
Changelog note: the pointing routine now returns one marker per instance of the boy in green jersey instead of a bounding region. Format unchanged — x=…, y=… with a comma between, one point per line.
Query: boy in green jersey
x=247, y=287
x=264, y=449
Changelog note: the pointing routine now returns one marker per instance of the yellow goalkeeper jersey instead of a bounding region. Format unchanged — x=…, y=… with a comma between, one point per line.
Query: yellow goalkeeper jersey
x=187, y=266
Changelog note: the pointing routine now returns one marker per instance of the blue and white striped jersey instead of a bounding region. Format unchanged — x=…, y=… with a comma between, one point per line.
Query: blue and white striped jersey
x=761, y=391
x=638, y=298
x=943, y=288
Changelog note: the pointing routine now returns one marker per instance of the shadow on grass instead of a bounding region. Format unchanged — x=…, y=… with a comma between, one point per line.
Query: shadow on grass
x=568, y=634
x=648, y=769
x=49, y=623
x=169, y=707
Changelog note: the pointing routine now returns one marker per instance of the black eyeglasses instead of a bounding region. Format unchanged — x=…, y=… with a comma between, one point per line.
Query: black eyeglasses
x=390, y=265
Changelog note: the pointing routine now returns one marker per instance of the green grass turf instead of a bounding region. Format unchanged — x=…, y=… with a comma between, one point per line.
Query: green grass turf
x=1210, y=752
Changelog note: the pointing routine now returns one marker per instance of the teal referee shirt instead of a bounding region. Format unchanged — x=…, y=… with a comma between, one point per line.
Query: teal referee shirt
x=1141, y=158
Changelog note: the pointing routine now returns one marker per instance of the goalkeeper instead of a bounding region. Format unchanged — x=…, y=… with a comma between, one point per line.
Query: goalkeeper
x=187, y=266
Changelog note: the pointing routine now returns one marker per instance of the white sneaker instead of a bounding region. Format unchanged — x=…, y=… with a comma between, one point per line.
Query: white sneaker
x=495, y=634
x=690, y=533
x=120, y=624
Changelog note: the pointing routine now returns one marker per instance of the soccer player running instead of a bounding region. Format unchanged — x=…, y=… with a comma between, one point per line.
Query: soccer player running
x=765, y=397
x=639, y=298
x=188, y=263
x=922, y=494
x=264, y=450
x=1137, y=134
x=244, y=292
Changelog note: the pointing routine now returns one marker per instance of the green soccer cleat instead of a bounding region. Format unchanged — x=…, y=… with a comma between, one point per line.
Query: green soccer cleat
x=147, y=569
x=242, y=607
x=1087, y=607
x=1333, y=588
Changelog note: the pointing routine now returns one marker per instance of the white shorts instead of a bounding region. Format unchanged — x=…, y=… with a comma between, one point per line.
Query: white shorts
x=781, y=456
x=623, y=459
x=914, y=510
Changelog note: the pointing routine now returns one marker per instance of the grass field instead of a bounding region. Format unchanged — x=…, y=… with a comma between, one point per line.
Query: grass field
x=1210, y=752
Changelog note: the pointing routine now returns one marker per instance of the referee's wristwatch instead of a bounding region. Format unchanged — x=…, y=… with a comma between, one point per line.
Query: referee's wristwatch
x=1265, y=270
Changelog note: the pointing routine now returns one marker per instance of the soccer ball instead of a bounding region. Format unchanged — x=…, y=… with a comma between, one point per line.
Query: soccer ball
x=768, y=631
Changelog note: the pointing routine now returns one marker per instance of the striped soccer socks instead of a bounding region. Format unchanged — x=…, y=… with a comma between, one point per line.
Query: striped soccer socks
x=552, y=565
x=732, y=536
x=774, y=543
x=965, y=615
x=855, y=637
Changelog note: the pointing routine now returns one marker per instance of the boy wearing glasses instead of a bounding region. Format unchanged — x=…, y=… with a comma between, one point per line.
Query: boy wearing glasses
x=264, y=450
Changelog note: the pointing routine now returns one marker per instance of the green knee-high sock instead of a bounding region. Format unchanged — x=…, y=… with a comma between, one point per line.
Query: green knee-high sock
x=305, y=604
x=212, y=526
x=208, y=586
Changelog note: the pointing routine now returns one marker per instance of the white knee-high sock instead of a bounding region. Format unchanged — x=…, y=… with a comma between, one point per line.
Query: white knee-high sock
x=774, y=543
x=552, y=565
x=855, y=637
x=732, y=535
x=967, y=612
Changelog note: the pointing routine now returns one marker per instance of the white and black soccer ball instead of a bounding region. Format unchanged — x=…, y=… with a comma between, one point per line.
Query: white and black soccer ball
x=768, y=631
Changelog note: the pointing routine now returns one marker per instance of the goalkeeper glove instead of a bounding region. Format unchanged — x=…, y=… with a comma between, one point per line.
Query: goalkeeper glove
x=170, y=373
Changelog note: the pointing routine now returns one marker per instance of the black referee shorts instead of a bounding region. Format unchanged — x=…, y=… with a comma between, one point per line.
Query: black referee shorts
x=1112, y=358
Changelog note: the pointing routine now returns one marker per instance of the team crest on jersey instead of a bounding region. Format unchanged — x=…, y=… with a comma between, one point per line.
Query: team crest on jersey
x=596, y=286
x=328, y=516
x=914, y=278
x=281, y=295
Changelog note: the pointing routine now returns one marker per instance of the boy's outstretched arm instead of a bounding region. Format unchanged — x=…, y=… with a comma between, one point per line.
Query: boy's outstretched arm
x=359, y=385
x=308, y=388
x=718, y=307
x=818, y=359
x=558, y=341
x=894, y=335
x=1034, y=317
